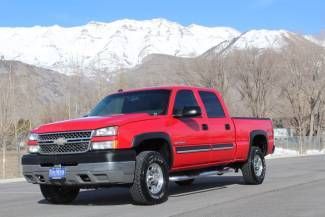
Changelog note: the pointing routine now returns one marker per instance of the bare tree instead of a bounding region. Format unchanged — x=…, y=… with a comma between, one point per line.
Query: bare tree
x=255, y=72
x=101, y=77
x=6, y=112
x=206, y=72
x=305, y=85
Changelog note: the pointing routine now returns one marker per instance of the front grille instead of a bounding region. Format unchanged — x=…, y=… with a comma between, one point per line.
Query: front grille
x=74, y=142
x=66, y=135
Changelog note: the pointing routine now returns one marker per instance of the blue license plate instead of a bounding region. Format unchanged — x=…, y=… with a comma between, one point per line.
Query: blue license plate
x=57, y=173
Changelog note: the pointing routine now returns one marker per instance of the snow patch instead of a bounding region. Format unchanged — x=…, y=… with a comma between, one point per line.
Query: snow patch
x=281, y=152
x=315, y=152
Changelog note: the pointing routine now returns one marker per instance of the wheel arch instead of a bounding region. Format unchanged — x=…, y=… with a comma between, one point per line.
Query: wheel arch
x=259, y=138
x=149, y=141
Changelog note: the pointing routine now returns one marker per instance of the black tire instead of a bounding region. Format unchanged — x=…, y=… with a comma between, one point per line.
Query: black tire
x=59, y=194
x=140, y=190
x=252, y=175
x=185, y=182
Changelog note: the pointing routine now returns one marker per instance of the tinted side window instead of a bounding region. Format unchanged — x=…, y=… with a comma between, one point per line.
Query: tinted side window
x=212, y=104
x=184, y=98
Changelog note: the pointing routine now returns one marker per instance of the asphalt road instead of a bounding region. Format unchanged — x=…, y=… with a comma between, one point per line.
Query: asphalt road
x=293, y=187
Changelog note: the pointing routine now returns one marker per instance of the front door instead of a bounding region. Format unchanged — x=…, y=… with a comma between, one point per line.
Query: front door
x=189, y=138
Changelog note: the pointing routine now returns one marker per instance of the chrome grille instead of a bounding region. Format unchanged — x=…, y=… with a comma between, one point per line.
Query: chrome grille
x=75, y=142
x=66, y=135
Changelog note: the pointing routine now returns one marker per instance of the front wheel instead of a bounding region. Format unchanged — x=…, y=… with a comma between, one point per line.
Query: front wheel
x=59, y=194
x=151, y=179
x=254, y=169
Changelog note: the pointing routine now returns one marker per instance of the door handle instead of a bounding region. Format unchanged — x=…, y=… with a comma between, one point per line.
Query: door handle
x=205, y=127
x=227, y=126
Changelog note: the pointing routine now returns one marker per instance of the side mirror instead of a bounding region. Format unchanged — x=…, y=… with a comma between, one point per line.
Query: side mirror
x=189, y=111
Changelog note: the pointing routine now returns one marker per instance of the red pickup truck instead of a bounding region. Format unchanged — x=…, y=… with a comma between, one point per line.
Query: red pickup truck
x=144, y=139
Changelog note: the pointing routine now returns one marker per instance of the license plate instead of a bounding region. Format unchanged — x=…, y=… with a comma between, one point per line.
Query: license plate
x=57, y=173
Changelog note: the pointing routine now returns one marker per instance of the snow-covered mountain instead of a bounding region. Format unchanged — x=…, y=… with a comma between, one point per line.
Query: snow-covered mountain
x=317, y=40
x=262, y=39
x=121, y=44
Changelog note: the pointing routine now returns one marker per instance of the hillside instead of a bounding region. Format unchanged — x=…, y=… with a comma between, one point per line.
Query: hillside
x=36, y=92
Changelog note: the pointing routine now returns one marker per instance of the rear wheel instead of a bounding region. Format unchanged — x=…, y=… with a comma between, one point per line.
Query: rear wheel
x=185, y=182
x=151, y=179
x=254, y=169
x=59, y=194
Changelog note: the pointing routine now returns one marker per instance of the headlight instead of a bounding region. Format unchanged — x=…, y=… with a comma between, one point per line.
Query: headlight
x=107, y=131
x=104, y=145
x=33, y=148
x=33, y=137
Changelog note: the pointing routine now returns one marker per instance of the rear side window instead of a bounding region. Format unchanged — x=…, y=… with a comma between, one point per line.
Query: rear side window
x=184, y=98
x=212, y=104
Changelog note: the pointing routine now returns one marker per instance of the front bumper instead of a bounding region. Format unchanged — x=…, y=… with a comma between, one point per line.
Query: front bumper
x=86, y=169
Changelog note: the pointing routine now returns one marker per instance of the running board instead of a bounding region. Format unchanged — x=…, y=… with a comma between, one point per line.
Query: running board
x=212, y=173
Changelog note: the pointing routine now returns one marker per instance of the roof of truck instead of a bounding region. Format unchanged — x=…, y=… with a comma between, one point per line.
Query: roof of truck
x=168, y=88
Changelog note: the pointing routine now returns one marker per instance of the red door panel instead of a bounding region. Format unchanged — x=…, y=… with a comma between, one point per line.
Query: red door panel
x=189, y=141
x=221, y=132
x=222, y=139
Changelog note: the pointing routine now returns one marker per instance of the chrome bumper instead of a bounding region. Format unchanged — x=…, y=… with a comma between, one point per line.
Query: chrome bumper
x=121, y=172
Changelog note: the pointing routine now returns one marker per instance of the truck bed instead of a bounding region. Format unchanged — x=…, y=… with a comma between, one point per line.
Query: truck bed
x=245, y=127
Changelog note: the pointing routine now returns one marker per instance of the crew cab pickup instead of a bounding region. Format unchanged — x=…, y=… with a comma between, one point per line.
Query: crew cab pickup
x=143, y=139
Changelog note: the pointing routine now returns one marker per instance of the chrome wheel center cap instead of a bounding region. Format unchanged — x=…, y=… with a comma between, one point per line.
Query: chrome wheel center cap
x=154, y=178
x=258, y=165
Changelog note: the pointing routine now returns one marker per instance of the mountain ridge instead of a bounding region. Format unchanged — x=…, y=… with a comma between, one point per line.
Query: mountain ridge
x=122, y=43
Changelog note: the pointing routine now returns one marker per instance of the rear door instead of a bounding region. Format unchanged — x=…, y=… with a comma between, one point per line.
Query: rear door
x=189, y=138
x=221, y=131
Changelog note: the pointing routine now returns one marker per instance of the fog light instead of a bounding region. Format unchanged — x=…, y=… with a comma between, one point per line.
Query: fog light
x=104, y=145
x=33, y=148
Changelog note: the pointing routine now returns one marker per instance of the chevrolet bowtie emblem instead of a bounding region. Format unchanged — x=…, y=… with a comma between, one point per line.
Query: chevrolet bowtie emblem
x=60, y=141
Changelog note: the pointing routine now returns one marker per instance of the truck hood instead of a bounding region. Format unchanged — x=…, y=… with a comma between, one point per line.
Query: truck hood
x=92, y=123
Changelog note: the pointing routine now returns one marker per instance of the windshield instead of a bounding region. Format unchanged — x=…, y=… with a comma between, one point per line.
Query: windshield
x=148, y=101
